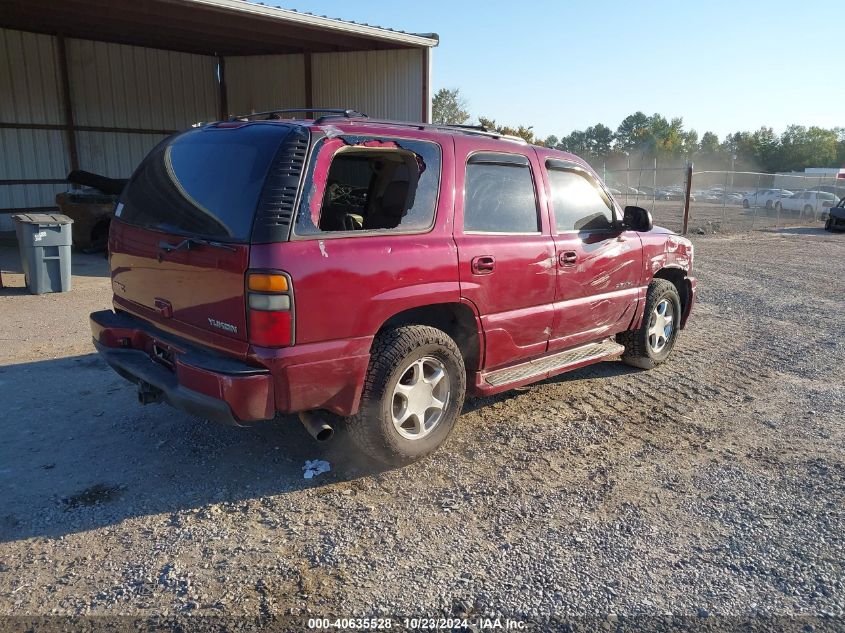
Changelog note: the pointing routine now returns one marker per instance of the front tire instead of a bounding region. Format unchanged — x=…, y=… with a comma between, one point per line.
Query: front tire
x=413, y=394
x=651, y=344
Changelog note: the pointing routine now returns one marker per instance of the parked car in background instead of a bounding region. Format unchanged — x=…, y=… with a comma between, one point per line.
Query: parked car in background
x=674, y=192
x=376, y=270
x=646, y=191
x=765, y=197
x=839, y=191
x=809, y=204
x=623, y=190
x=707, y=196
x=835, y=220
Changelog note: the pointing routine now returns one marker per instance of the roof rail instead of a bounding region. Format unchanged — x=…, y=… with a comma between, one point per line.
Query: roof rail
x=483, y=130
x=270, y=114
x=340, y=113
x=463, y=126
x=479, y=130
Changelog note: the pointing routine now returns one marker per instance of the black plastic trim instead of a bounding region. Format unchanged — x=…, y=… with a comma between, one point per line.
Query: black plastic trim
x=277, y=204
x=135, y=366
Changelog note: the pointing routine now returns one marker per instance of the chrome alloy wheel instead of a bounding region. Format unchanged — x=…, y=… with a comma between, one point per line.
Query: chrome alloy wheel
x=420, y=398
x=660, y=325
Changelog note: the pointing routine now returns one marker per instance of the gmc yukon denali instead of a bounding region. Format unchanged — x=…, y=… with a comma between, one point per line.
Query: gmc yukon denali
x=372, y=274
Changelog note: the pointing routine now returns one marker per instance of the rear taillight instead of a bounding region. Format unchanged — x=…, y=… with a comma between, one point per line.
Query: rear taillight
x=269, y=309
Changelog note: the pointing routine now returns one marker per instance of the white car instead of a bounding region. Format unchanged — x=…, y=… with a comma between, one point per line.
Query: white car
x=765, y=198
x=810, y=204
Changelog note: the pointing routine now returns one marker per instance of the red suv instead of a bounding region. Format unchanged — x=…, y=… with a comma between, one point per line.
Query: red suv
x=377, y=270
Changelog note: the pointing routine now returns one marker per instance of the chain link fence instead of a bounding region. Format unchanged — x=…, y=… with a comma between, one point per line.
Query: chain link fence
x=710, y=201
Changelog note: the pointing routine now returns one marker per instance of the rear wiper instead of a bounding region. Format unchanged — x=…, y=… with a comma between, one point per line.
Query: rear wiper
x=189, y=242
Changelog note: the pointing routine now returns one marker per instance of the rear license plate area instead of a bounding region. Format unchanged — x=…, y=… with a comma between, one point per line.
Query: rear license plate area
x=162, y=356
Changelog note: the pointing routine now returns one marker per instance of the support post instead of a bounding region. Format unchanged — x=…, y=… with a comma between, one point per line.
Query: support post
x=224, y=95
x=426, y=85
x=309, y=84
x=64, y=77
x=687, y=196
x=654, y=186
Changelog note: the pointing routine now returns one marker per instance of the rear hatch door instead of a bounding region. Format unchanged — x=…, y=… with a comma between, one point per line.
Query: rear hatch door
x=179, y=245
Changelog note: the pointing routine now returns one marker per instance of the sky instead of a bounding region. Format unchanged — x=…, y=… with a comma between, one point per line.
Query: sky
x=566, y=65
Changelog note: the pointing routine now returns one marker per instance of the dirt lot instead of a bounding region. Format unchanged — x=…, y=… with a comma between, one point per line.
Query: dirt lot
x=714, y=485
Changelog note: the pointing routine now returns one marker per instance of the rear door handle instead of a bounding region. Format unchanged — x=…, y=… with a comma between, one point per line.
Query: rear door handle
x=483, y=265
x=567, y=258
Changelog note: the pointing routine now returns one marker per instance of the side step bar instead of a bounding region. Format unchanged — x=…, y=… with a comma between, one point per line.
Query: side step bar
x=583, y=355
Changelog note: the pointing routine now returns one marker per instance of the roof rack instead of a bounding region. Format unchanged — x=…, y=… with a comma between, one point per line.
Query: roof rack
x=269, y=114
x=336, y=113
x=479, y=130
x=463, y=126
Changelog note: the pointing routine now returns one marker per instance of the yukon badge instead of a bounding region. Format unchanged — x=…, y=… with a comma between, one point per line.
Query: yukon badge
x=220, y=325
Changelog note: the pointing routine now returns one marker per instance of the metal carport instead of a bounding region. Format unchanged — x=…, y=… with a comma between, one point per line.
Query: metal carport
x=94, y=84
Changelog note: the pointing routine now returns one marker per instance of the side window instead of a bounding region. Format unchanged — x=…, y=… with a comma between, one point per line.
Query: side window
x=578, y=202
x=499, y=195
x=370, y=185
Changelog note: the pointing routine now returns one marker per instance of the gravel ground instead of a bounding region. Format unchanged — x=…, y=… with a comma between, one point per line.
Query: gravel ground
x=711, y=486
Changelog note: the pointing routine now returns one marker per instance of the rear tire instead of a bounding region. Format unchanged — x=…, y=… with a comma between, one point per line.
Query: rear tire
x=651, y=344
x=745, y=204
x=412, y=369
x=828, y=226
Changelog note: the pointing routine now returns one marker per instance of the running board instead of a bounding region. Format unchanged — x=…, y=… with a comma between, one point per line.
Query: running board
x=555, y=363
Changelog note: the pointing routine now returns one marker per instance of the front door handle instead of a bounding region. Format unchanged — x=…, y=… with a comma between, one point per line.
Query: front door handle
x=483, y=265
x=567, y=258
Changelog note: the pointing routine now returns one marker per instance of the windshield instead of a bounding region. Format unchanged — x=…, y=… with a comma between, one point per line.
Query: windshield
x=203, y=182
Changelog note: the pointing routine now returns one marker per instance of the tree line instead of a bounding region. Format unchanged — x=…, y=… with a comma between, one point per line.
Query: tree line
x=640, y=139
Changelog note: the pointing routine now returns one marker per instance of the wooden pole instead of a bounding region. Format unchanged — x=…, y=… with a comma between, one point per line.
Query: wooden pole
x=687, y=196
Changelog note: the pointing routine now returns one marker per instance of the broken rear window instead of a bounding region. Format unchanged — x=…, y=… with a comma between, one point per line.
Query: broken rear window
x=366, y=184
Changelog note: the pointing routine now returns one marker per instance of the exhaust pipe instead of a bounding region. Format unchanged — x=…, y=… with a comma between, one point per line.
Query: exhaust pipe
x=319, y=429
x=147, y=394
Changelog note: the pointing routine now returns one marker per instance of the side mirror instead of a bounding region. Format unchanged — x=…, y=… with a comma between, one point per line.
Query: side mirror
x=637, y=219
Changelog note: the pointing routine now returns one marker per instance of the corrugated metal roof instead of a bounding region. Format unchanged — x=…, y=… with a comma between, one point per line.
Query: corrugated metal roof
x=322, y=21
x=207, y=27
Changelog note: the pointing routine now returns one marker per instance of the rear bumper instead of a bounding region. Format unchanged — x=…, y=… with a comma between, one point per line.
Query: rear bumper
x=199, y=382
